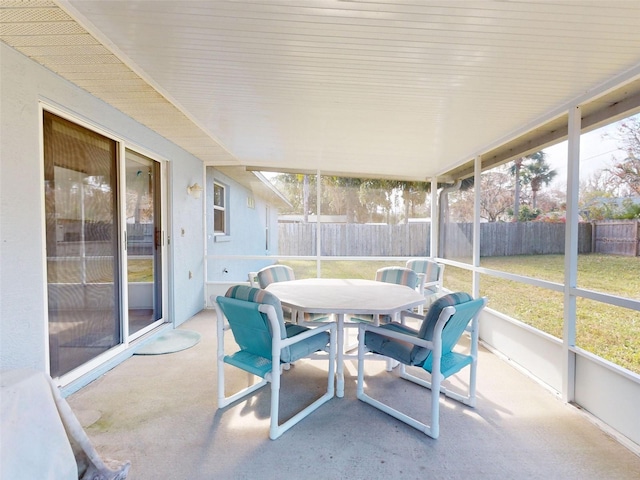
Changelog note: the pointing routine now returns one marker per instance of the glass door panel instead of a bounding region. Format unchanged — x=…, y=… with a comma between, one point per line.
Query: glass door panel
x=144, y=241
x=83, y=268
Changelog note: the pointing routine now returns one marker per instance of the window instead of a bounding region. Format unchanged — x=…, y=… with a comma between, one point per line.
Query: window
x=608, y=239
x=455, y=233
x=522, y=232
x=357, y=217
x=219, y=209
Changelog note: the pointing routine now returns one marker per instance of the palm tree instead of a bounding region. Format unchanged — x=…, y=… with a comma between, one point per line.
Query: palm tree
x=536, y=174
x=523, y=176
x=515, y=171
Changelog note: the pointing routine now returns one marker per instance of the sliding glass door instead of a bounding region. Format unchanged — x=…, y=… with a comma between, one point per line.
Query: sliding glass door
x=83, y=271
x=94, y=234
x=144, y=241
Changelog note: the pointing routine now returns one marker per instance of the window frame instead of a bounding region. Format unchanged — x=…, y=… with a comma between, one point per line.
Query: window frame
x=221, y=208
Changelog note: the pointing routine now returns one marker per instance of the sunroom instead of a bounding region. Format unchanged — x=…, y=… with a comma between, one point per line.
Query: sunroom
x=176, y=98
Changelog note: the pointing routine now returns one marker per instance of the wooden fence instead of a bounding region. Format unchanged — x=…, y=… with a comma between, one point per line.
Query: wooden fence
x=507, y=239
x=496, y=239
x=619, y=237
x=341, y=239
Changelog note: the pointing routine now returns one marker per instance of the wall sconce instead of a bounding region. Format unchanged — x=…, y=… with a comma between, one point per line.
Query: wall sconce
x=194, y=190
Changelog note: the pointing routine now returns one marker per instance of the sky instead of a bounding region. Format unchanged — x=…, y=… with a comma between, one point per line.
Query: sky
x=596, y=153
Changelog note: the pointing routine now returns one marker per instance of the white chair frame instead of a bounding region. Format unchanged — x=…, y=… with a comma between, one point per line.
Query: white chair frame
x=273, y=377
x=253, y=279
x=435, y=385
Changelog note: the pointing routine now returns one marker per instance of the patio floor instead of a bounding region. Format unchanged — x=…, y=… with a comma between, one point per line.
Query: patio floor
x=160, y=413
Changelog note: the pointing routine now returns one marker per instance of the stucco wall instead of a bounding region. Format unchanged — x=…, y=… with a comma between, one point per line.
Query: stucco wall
x=247, y=229
x=188, y=215
x=23, y=311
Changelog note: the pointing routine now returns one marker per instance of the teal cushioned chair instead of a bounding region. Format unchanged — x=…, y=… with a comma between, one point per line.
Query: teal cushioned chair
x=284, y=273
x=430, y=277
x=274, y=273
x=397, y=275
x=429, y=348
x=266, y=344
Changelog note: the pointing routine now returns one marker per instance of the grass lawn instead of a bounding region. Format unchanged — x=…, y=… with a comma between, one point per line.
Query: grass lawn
x=98, y=271
x=610, y=332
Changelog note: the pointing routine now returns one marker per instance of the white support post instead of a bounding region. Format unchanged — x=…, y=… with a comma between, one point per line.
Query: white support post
x=571, y=255
x=318, y=224
x=476, y=226
x=433, y=242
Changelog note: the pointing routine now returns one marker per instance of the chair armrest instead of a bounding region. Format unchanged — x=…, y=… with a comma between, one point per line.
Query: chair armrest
x=275, y=326
x=396, y=335
x=434, y=345
x=331, y=327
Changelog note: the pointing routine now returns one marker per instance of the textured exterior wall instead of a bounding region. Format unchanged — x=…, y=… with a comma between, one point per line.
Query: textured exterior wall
x=246, y=232
x=23, y=310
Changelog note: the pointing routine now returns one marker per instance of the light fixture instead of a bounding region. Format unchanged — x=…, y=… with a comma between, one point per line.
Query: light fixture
x=194, y=190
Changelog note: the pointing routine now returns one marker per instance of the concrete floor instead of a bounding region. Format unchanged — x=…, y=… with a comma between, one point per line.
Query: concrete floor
x=160, y=413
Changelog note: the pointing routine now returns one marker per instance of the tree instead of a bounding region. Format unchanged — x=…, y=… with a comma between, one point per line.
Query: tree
x=515, y=171
x=536, y=174
x=300, y=192
x=626, y=173
x=413, y=193
x=629, y=210
x=595, y=194
x=305, y=196
x=359, y=200
x=341, y=197
x=495, y=196
x=527, y=214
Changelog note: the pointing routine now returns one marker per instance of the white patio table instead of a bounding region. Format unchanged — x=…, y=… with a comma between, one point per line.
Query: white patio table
x=345, y=297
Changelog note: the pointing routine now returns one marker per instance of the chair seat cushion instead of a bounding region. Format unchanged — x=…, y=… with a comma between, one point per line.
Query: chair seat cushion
x=249, y=362
x=305, y=347
x=411, y=354
x=405, y=353
x=396, y=349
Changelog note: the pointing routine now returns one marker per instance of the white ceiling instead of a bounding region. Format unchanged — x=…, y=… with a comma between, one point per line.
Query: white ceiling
x=405, y=89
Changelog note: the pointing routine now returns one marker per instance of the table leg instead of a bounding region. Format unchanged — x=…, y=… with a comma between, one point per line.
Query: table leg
x=340, y=357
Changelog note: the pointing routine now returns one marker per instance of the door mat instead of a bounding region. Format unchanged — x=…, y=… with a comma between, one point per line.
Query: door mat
x=170, y=342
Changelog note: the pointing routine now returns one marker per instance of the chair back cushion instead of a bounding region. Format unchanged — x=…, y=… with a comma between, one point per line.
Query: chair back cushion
x=397, y=275
x=274, y=273
x=419, y=265
x=251, y=328
x=419, y=355
x=429, y=268
x=257, y=295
